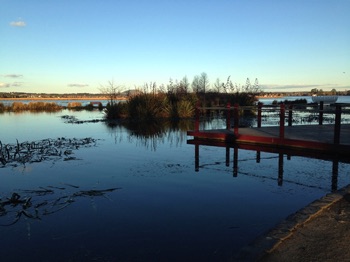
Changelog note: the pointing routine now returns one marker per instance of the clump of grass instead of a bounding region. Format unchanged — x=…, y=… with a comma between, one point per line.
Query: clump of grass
x=18, y=106
x=146, y=107
x=44, y=107
x=185, y=109
x=35, y=107
x=116, y=110
x=179, y=106
x=74, y=104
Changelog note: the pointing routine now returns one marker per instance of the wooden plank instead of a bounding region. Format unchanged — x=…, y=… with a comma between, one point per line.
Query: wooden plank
x=311, y=137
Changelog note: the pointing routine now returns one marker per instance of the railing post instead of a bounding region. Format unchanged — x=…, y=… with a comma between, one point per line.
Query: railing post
x=290, y=115
x=196, y=125
x=228, y=116
x=320, y=114
x=259, y=114
x=337, y=124
x=282, y=118
x=236, y=118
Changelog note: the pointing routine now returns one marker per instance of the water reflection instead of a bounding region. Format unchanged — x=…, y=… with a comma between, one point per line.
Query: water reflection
x=150, y=134
x=280, y=154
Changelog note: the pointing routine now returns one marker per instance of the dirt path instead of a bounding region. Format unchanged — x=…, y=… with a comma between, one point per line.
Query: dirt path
x=318, y=232
x=324, y=238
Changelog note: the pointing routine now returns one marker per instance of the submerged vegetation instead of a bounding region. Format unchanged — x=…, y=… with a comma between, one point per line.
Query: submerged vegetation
x=37, y=203
x=38, y=151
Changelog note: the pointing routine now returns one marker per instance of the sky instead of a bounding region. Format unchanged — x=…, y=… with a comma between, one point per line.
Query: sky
x=71, y=46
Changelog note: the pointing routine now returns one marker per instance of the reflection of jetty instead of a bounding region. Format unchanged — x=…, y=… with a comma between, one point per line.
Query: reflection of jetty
x=330, y=138
x=281, y=152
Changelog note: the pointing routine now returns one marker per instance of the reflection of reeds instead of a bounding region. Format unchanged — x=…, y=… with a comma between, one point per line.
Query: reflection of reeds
x=2, y=108
x=152, y=133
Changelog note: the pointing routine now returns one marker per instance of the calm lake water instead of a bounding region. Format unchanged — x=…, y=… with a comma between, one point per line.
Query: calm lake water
x=136, y=193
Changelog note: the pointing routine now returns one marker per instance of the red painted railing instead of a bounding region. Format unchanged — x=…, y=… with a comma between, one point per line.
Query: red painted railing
x=282, y=116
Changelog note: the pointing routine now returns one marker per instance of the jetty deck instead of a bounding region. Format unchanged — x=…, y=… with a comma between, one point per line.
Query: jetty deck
x=329, y=138
x=306, y=137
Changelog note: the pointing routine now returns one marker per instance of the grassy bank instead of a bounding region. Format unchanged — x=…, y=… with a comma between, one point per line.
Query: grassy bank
x=43, y=107
x=143, y=106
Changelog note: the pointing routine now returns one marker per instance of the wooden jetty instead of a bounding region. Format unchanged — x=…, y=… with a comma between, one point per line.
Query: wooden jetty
x=329, y=138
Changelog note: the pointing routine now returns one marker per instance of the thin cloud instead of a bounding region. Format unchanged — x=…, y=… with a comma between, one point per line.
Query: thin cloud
x=77, y=85
x=17, y=84
x=4, y=85
x=283, y=87
x=7, y=85
x=18, y=24
x=13, y=75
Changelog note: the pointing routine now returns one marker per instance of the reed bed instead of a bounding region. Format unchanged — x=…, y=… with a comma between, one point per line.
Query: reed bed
x=74, y=104
x=31, y=106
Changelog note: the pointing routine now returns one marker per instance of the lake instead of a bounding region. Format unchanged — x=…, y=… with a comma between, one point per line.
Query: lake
x=136, y=193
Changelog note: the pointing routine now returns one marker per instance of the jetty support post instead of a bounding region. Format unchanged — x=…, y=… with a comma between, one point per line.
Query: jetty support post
x=280, y=169
x=228, y=116
x=320, y=114
x=282, y=119
x=196, y=157
x=196, y=125
x=227, y=156
x=335, y=170
x=236, y=118
x=235, y=161
x=290, y=115
x=337, y=124
x=259, y=114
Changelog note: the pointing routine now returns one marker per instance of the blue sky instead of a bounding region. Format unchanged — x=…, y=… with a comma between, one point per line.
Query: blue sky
x=71, y=46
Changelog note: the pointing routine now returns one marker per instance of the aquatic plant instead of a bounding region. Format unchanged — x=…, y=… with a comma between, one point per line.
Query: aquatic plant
x=38, y=151
x=32, y=204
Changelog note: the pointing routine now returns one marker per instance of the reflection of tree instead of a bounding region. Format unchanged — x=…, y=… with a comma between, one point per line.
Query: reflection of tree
x=35, y=204
x=150, y=134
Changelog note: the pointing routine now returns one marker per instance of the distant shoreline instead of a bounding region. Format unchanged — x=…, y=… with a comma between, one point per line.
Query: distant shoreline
x=60, y=98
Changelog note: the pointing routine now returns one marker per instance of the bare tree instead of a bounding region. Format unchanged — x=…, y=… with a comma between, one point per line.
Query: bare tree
x=200, y=84
x=183, y=85
x=204, y=82
x=196, y=84
x=111, y=90
x=218, y=85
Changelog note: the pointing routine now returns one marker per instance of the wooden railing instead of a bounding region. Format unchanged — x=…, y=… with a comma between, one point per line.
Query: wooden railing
x=338, y=110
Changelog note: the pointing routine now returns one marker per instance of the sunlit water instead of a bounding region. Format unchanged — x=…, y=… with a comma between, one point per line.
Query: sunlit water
x=156, y=206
